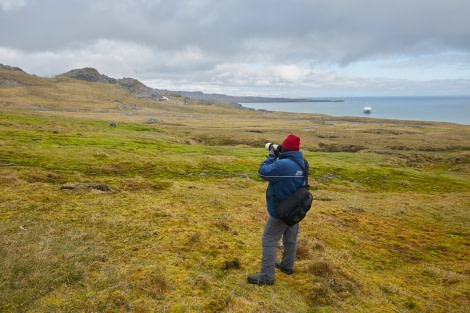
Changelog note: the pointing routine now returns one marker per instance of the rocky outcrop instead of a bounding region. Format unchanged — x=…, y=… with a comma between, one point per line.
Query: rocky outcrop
x=11, y=68
x=88, y=74
x=135, y=87
x=139, y=90
x=12, y=76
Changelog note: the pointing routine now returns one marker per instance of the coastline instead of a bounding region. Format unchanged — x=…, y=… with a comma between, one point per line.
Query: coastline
x=426, y=109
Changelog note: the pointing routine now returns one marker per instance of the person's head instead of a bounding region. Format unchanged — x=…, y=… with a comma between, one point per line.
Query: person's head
x=291, y=143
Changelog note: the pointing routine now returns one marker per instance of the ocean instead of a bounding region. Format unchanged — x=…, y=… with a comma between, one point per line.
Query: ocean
x=438, y=109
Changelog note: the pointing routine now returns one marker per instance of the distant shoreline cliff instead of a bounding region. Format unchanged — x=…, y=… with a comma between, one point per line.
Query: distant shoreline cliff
x=197, y=95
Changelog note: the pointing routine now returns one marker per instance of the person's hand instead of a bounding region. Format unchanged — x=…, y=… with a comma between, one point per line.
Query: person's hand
x=273, y=152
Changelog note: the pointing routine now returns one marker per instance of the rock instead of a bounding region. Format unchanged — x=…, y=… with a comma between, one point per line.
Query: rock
x=88, y=74
x=153, y=121
x=11, y=68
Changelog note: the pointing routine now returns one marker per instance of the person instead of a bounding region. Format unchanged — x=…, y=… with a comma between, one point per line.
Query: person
x=285, y=177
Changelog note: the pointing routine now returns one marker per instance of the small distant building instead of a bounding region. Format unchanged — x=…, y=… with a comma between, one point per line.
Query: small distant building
x=367, y=110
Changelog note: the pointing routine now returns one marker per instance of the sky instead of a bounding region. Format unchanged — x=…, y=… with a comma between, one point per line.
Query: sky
x=288, y=48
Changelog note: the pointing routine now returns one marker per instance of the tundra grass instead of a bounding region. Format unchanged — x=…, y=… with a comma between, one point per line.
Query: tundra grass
x=168, y=218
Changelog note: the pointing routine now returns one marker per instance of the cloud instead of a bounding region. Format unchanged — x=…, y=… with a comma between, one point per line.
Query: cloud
x=10, y=5
x=241, y=44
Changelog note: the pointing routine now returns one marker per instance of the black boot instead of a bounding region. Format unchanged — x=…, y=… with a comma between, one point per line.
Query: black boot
x=254, y=279
x=283, y=269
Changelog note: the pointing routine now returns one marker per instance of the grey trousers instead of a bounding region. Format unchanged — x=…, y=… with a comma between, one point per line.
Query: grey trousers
x=273, y=230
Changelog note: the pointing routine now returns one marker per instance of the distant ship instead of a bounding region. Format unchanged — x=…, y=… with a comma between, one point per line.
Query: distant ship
x=367, y=110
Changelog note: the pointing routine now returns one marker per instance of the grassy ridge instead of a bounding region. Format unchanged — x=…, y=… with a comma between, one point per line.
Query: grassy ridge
x=168, y=217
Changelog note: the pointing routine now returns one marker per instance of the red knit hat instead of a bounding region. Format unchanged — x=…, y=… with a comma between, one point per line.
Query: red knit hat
x=291, y=143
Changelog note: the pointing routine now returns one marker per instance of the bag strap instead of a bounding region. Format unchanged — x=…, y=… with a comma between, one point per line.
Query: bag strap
x=305, y=169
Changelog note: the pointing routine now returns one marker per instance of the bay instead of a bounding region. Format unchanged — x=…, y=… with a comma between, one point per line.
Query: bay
x=438, y=109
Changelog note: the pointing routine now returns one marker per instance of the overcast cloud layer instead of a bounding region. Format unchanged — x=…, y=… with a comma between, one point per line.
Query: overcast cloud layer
x=297, y=48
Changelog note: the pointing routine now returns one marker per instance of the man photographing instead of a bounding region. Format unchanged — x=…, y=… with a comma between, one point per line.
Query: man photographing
x=283, y=169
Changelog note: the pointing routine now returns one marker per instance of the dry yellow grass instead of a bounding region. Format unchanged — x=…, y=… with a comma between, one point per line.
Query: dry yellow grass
x=168, y=217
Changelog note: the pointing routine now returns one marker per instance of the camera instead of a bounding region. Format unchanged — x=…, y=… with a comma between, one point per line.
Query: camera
x=277, y=148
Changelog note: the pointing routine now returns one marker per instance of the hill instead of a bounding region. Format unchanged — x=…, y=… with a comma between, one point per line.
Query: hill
x=135, y=87
x=139, y=90
x=165, y=211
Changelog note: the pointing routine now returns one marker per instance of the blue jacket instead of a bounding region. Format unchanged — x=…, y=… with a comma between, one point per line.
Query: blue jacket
x=284, y=177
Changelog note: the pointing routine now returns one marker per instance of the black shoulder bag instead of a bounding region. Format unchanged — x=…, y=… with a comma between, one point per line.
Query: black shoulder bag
x=294, y=208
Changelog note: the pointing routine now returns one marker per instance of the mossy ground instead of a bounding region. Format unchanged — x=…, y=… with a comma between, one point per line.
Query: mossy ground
x=168, y=217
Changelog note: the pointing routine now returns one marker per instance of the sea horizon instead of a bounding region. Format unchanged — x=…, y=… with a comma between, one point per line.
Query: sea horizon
x=452, y=109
